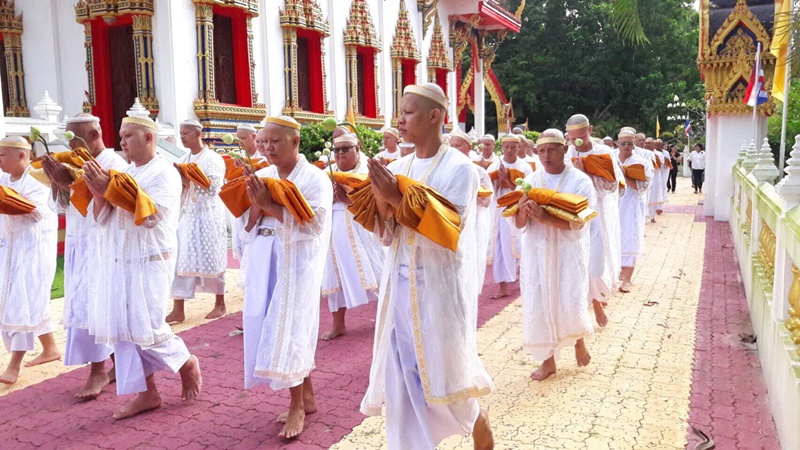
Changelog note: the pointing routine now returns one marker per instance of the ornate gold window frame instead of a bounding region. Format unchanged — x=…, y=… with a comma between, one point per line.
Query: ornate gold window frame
x=360, y=33
x=218, y=118
x=438, y=57
x=302, y=15
x=141, y=12
x=404, y=48
x=11, y=33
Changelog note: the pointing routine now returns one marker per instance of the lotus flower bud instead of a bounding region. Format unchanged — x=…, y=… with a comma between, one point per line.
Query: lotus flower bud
x=228, y=139
x=579, y=142
x=34, y=134
x=329, y=124
x=69, y=135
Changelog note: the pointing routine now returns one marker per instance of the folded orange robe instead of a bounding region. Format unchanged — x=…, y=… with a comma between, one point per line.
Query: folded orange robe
x=422, y=209
x=482, y=193
x=599, y=165
x=284, y=192
x=572, y=203
x=668, y=162
x=658, y=162
x=77, y=158
x=351, y=180
x=484, y=164
x=195, y=174
x=233, y=172
x=14, y=204
x=123, y=192
x=533, y=166
x=513, y=174
x=80, y=196
x=322, y=165
x=635, y=172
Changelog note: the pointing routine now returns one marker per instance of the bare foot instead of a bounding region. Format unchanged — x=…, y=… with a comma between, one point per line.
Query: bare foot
x=659, y=211
x=625, y=287
x=653, y=220
x=44, y=357
x=334, y=332
x=310, y=408
x=482, y=432
x=547, y=368
x=239, y=327
x=94, y=386
x=145, y=401
x=599, y=313
x=582, y=354
x=191, y=379
x=216, y=313
x=500, y=294
x=9, y=376
x=294, y=424
x=112, y=375
x=175, y=317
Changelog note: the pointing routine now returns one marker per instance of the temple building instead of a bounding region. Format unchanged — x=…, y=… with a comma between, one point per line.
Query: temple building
x=225, y=62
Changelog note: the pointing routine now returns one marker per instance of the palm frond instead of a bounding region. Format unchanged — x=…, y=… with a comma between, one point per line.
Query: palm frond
x=627, y=22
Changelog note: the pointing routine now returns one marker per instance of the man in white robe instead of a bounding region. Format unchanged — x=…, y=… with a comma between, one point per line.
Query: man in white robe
x=632, y=208
x=484, y=212
x=429, y=375
x=81, y=347
x=486, y=155
x=609, y=142
x=391, y=150
x=353, y=265
x=27, y=263
x=662, y=151
x=505, y=244
x=640, y=142
x=202, y=233
x=658, y=187
x=281, y=297
x=135, y=256
x=554, y=268
x=604, y=251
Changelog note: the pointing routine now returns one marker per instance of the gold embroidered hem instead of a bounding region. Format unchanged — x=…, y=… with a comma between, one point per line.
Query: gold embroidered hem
x=284, y=377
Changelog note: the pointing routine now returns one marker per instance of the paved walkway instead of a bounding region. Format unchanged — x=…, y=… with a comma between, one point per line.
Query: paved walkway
x=669, y=358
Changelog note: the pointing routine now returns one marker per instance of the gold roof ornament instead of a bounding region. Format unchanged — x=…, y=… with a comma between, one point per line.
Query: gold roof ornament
x=726, y=60
x=360, y=30
x=438, y=57
x=404, y=45
x=304, y=14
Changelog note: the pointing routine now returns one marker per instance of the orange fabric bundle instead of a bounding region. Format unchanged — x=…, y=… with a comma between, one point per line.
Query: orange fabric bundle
x=668, y=162
x=195, y=174
x=483, y=163
x=233, y=172
x=284, y=192
x=533, y=165
x=658, y=162
x=422, y=209
x=363, y=208
x=80, y=196
x=123, y=192
x=571, y=203
x=482, y=193
x=513, y=174
x=77, y=158
x=635, y=172
x=351, y=180
x=599, y=165
x=14, y=204
x=322, y=165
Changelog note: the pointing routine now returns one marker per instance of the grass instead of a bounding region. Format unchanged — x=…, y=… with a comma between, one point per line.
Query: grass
x=57, y=290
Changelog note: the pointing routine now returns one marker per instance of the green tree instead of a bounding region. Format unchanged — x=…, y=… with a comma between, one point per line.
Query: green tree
x=570, y=58
x=792, y=123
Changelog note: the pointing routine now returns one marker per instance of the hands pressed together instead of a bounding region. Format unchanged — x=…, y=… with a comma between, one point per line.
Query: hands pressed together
x=97, y=178
x=56, y=172
x=384, y=184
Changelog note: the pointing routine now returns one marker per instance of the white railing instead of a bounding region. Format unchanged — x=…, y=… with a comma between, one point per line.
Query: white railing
x=765, y=223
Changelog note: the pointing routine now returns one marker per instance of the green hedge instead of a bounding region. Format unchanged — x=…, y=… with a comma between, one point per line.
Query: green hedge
x=313, y=138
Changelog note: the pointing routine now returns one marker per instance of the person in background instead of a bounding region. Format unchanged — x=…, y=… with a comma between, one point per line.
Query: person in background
x=672, y=179
x=697, y=159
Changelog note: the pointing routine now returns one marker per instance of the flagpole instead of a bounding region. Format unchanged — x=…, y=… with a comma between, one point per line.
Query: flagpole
x=755, y=106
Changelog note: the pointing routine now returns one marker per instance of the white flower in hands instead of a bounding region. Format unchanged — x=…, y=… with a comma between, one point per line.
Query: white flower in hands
x=228, y=139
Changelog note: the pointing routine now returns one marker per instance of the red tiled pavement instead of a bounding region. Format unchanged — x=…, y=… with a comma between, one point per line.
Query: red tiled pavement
x=225, y=415
x=729, y=397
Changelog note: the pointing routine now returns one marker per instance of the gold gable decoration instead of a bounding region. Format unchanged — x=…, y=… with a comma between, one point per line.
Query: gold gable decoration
x=404, y=45
x=438, y=57
x=429, y=10
x=360, y=30
x=249, y=6
x=725, y=61
x=304, y=14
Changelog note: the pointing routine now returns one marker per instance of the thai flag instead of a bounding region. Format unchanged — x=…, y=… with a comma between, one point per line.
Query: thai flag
x=756, y=94
x=687, y=127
